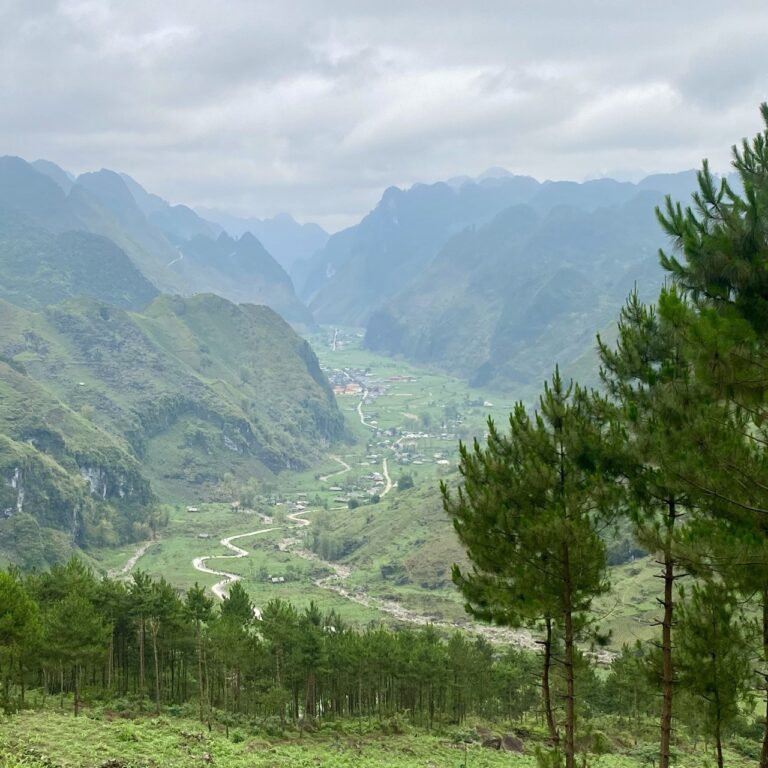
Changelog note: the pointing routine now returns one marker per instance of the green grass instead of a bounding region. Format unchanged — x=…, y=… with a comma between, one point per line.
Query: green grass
x=52, y=739
x=103, y=736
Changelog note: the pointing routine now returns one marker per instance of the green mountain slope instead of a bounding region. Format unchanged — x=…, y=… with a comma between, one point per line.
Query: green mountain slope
x=501, y=304
x=63, y=480
x=171, y=246
x=243, y=271
x=171, y=400
x=364, y=268
x=38, y=268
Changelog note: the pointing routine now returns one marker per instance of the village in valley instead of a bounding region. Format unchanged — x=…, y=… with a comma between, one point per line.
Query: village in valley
x=288, y=536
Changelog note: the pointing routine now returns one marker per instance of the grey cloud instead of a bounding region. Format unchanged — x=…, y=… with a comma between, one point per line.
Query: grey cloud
x=315, y=108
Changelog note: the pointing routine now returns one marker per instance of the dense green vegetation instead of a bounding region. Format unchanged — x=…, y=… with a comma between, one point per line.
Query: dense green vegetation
x=499, y=303
x=39, y=268
x=110, y=651
x=179, y=396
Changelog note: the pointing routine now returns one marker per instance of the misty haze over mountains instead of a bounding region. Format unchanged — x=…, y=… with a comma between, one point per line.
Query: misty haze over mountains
x=493, y=278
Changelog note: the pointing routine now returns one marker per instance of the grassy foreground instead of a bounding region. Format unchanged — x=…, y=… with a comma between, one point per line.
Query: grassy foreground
x=109, y=739
x=48, y=739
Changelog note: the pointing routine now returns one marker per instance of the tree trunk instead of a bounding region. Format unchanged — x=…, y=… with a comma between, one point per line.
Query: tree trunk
x=111, y=659
x=21, y=682
x=668, y=673
x=719, y=745
x=77, y=691
x=764, y=751
x=141, y=663
x=200, y=671
x=545, y=686
x=570, y=693
x=155, y=627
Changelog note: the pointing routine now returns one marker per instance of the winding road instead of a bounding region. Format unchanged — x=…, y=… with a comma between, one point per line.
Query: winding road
x=199, y=563
x=333, y=583
x=219, y=588
x=132, y=560
x=360, y=411
x=387, y=479
x=345, y=468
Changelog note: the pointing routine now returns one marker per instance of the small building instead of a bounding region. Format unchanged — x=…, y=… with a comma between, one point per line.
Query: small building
x=193, y=509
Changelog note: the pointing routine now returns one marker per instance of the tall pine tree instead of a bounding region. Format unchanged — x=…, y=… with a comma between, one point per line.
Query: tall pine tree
x=528, y=512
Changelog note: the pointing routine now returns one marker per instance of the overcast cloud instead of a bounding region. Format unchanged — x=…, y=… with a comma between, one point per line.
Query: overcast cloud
x=315, y=107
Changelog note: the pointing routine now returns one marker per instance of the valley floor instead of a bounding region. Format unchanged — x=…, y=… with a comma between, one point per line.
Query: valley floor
x=344, y=534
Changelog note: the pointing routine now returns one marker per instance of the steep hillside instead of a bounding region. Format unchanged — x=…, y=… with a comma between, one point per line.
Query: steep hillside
x=26, y=191
x=502, y=304
x=177, y=222
x=183, y=394
x=38, y=268
x=63, y=480
x=59, y=175
x=242, y=270
x=171, y=246
x=363, y=268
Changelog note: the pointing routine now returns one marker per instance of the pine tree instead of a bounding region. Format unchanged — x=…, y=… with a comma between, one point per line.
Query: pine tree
x=721, y=245
x=77, y=634
x=668, y=422
x=528, y=512
x=19, y=628
x=199, y=608
x=715, y=656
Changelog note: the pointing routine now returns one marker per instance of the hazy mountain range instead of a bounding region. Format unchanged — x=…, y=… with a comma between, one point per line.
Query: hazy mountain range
x=495, y=279
x=112, y=395
x=153, y=235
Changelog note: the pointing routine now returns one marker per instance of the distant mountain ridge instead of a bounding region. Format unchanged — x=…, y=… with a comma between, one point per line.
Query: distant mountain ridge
x=498, y=277
x=152, y=234
x=292, y=244
x=501, y=304
x=364, y=266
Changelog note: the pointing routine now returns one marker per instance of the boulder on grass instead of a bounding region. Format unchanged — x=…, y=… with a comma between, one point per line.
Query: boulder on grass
x=511, y=743
x=494, y=743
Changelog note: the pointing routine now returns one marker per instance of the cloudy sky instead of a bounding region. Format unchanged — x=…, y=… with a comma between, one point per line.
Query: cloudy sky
x=315, y=107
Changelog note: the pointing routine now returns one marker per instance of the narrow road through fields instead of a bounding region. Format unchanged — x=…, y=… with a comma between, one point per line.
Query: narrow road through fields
x=387, y=479
x=334, y=583
x=199, y=563
x=132, y=560
x=345, y=468
x=360, y=411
